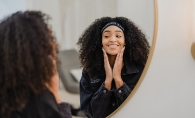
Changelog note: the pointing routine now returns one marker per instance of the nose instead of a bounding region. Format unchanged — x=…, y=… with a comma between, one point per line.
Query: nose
x=113, y=39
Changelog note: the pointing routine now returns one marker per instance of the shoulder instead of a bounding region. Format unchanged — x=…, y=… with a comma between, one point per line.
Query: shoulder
x=140, y=66
x=43, y=106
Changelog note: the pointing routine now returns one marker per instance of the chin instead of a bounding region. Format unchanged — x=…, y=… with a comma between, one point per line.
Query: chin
x=113, y=53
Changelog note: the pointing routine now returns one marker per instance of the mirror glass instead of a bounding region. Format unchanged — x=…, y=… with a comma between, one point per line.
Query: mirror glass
x=70, y=18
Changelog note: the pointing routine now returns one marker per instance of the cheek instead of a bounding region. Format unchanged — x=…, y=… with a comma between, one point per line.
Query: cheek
x=104, y=43
x=122, y=42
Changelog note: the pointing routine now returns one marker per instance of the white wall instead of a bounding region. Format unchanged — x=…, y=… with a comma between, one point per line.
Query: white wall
x=168, y=89
x=9, y=6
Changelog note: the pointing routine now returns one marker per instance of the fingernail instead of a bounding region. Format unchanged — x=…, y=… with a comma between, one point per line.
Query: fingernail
x=102, y=49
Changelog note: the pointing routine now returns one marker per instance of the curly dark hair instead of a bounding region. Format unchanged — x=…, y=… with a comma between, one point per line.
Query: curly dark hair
x=27, y=50
x=90, y=43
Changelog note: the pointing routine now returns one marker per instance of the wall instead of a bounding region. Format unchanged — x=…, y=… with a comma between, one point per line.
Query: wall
x=9, y=6
x=168, y=90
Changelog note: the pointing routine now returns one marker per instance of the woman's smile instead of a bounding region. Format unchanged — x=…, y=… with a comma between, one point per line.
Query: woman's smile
x=113, y=46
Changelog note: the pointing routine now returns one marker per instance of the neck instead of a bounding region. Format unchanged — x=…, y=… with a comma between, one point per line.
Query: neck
x=112, y=59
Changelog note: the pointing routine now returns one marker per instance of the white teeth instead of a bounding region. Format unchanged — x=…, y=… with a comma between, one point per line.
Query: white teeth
x=113, y=44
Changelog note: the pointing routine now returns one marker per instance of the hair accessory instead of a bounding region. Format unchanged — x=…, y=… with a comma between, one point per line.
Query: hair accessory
x=112, y=23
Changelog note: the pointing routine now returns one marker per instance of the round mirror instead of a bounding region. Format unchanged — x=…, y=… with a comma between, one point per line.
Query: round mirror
x=71, y=17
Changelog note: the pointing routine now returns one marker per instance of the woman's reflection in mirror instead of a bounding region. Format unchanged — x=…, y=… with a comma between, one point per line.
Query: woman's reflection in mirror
x=113, y=53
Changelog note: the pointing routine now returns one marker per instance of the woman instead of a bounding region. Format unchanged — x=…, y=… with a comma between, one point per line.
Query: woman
x=113, y=52
x=28, y=77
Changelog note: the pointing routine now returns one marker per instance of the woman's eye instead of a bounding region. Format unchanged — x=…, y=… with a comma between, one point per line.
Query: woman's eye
x=118, y=36
x=106, y=36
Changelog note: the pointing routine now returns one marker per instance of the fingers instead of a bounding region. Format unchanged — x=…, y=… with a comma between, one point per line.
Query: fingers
x=120, y=55
x=107, y=67
x=104, y=52
x=122, y=52
x=117, y=57
x=105, y=56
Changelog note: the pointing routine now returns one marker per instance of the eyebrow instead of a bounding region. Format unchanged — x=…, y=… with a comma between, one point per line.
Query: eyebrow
x=110, y=31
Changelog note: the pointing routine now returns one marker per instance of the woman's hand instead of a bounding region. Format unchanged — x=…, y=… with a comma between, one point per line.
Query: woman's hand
x=53, y=86
x=118, y=65
x=108, y=70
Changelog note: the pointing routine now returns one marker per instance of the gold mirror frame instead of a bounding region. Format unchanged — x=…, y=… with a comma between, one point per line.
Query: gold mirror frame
x=147, y=63
x=193, y=50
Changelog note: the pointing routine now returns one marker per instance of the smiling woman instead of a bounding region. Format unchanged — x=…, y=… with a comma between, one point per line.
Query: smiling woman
x=110, y=73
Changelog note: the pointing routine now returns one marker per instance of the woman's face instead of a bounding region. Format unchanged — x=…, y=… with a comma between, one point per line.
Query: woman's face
x=113, y=40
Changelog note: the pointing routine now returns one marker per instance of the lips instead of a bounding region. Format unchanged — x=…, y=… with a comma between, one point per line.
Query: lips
x=113, y=46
